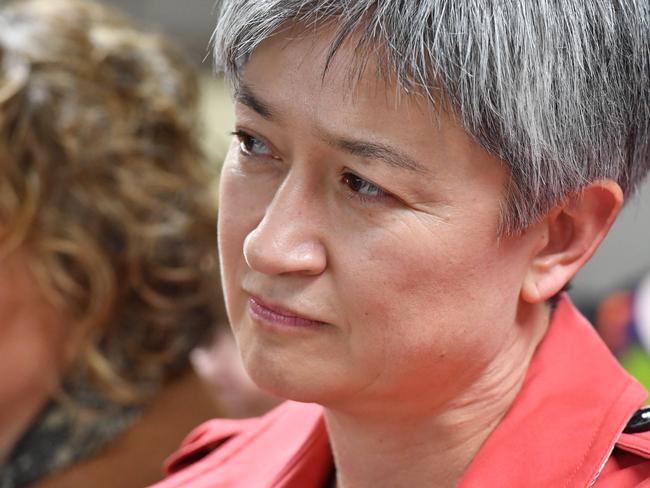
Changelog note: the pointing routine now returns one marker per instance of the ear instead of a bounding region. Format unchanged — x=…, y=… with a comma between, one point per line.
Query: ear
x=568, y=236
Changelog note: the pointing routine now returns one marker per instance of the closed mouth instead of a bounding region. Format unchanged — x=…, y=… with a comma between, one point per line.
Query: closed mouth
x=275, y=314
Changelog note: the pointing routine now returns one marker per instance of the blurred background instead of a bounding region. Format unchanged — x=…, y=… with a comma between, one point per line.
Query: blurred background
x=190, y=24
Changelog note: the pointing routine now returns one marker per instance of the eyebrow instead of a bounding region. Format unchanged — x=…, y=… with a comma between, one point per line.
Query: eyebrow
x=377, y=151
x=245, y=96
x=364, y=149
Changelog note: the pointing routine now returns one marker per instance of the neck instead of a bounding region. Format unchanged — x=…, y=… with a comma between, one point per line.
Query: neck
x=430, y=447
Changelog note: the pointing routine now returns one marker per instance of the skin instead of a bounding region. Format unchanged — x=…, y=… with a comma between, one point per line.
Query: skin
x=427, y=318
x=220, y=367
x=32, y=338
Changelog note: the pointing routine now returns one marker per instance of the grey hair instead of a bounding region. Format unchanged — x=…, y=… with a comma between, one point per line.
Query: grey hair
x=557, y=89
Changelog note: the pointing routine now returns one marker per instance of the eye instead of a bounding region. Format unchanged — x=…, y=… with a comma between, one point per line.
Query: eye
x=251, y=145
x=361, y=188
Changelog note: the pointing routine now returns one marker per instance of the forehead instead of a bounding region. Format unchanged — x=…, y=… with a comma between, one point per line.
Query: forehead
x=306, y=91
x=301, y=61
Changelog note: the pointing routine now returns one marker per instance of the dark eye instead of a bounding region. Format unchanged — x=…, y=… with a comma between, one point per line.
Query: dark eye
x=362, y=187
x=251, y=145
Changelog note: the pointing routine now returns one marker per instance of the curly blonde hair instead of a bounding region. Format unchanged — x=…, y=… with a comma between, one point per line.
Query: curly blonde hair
x=103, y=182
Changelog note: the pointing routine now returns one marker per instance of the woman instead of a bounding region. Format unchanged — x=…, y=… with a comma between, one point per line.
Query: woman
x=410, y=187
x=107, y=273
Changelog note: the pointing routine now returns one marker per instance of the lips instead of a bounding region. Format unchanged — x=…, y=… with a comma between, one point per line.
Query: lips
x=277, y=315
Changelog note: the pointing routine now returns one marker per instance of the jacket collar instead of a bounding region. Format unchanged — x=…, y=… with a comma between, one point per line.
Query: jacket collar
x=572, y=407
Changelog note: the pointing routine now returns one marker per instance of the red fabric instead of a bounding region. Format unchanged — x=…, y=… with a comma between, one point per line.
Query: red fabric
x=563, y=430
x=574, y=403
x=287, y=448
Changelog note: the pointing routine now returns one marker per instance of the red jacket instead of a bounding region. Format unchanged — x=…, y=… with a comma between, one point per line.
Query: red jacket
x=563, y=430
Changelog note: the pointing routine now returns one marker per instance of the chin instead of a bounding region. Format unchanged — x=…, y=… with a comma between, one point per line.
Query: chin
x=300, y=379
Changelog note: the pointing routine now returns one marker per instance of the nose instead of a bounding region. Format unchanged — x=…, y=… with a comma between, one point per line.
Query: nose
x=288, y=238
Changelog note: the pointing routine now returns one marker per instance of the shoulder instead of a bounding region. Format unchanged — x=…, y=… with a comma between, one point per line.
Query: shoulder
x=156, y=433
x=223, y=452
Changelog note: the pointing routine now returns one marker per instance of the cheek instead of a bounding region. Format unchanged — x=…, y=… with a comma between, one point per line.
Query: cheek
x=25, y=350
x=429, y=268
x=235, y=221
x=417, y=296
x=32, y=342
x=243, y=199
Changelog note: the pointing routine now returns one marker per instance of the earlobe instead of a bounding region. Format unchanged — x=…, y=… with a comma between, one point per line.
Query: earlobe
x=569, y=235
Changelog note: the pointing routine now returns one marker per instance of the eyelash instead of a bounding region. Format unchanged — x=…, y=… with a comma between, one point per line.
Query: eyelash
x=347, y=177
x=245, y=137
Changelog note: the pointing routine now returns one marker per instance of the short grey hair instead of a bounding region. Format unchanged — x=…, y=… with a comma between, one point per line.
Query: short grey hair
x=559, y=90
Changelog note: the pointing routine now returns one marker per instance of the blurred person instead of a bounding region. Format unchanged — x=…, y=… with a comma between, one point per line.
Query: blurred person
x=108, y=274
x=409, y=190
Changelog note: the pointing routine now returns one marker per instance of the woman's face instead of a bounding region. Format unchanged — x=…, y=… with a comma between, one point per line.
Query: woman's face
x=32, y=341
x=358, y=238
